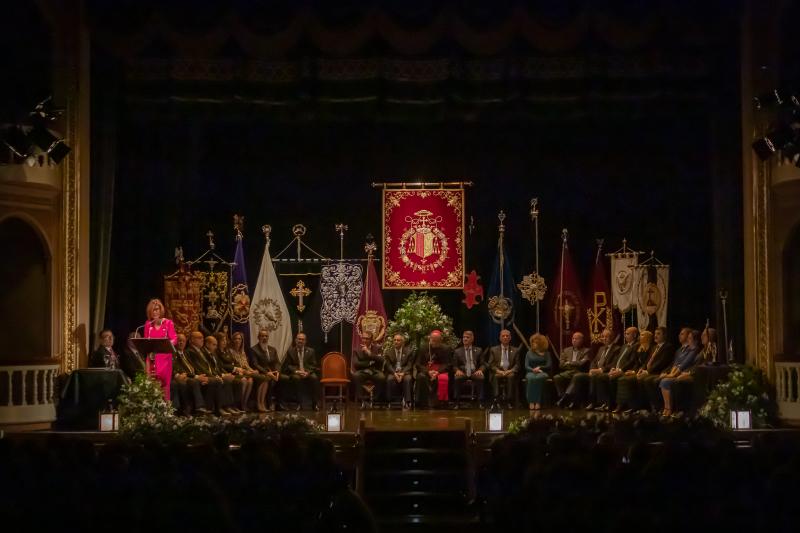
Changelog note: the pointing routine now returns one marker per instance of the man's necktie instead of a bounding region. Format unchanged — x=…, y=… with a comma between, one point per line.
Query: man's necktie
x=469, y=361
x=300, y=355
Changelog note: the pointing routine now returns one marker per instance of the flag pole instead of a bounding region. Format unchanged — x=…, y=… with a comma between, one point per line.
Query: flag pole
x=341, y=228
x=535, y=217
x=564, y=234
x=501, y=230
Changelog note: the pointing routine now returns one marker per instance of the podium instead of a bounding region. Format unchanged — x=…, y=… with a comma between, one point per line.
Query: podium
x=150, y=347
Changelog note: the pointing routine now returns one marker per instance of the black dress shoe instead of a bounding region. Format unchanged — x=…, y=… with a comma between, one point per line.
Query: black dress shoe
x=571, y=406
x=590, y=407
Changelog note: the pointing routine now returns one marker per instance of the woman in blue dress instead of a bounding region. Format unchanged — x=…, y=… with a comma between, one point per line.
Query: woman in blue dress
x=538, y=366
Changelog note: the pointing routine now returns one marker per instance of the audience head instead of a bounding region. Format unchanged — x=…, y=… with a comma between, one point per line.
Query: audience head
x=577, y=340
x=196, y=339
x=181, y=342
x=263, y=338
x=211, y=343
x=106, y=338
x=155, y=309
x=683, y=336
x=222, y=340
x=607, y=336
x=646, y=339
x=467, y=338
x=538, y=343
x=631, y=334
x=398, y=340
x=367, y=338
x=505, y=337
x=237, y=341
x=693, y=338
x=660, y=335
x=300, y=340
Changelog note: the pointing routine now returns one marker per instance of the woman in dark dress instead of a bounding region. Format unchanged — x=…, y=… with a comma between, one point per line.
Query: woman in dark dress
x=229, y=365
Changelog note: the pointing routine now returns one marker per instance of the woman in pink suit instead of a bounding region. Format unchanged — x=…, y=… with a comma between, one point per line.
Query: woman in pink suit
x=158, y=327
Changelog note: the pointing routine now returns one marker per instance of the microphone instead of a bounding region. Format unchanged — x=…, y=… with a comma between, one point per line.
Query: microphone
x=136, y=333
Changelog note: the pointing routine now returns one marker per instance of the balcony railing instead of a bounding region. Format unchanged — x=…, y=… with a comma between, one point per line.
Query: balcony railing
x=26, y=393
x=787, y=389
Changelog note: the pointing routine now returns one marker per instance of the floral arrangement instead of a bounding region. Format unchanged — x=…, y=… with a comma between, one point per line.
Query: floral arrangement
x=641, y=422
x=416, y=318
x=144, y=414
x=744, y=390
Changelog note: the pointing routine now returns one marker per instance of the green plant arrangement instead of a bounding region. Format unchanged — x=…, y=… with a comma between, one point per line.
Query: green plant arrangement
x=744, y=390
x=145, y=414
x=420, y=314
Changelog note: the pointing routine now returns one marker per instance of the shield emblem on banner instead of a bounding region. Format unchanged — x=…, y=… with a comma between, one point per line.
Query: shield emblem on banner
x=182, y=297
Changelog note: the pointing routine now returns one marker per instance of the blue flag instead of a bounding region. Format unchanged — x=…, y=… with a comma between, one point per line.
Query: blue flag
x=240, y=294
x=501, y=298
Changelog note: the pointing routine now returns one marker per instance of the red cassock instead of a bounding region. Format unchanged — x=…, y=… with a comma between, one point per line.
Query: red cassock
x=163, y=361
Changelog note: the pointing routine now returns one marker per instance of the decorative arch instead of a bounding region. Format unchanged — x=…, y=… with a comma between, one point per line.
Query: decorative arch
x=25, y=290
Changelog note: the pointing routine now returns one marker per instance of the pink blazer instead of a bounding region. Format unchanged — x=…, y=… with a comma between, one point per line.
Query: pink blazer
x=166, y=331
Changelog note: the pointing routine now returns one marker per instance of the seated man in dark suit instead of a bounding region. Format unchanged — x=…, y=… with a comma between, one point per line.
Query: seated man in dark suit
x=579, y=391
x=231, y=390
x=210, y=384
x=105, y=356
x=302, y=368
x=573, y=359
x=186, y=388
x=503, y=361
x=368, y=367
x=659, y=361
x=433, y=371
x=265, y=360
x=399, y=368
x=624, y=359
x=468, y=364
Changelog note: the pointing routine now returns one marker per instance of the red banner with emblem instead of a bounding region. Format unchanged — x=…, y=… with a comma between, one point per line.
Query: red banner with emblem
x=423, y=238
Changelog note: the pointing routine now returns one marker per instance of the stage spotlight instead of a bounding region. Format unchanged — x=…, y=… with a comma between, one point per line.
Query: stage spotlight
x=14, y=137
x=766, y=146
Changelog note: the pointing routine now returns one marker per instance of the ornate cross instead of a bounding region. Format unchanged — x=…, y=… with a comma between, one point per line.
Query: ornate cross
x=300, y=291
x=210, y=236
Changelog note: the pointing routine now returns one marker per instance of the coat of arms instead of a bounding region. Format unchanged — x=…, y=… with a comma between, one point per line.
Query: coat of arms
x=182, y=298
x=423, y=246
x=266, y=313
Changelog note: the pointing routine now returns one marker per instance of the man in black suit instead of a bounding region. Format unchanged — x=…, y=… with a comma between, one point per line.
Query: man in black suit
x=399, y=367
x=579, y=390
x=624, y=359
x=468, y=364
x=264, y=358
x=106, y=357
x=503, y=362
x=600, y=367
x=302, y=368
x=659, y=362
x=573, y=359
x=186, y=389
x=368, y=367
x=432, y=366
x=210, y=384
x=231, y=387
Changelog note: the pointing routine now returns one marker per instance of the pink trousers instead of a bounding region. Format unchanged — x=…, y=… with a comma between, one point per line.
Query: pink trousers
x=163, y=371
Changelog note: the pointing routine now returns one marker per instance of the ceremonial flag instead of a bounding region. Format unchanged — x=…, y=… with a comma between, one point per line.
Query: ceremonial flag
x=651, y=288
x=371, y=315
x=502, y=296
x=240, y=293
x=269, y=307
x=622, y=267
x=423, y=238
x=599, y=313
x=566, y=309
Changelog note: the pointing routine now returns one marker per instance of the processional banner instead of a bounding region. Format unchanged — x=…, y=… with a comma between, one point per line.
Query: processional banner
x=182, y=298
x=423, y=238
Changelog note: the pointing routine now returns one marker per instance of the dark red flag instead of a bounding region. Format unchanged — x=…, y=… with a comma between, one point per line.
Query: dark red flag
x=371, y=314
x=599, y=311
x=566, y=313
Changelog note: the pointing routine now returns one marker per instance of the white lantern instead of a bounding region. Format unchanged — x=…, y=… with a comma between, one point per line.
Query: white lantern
x=494, y=417
x=334, y=419
x=108, y=419
x=741, y=420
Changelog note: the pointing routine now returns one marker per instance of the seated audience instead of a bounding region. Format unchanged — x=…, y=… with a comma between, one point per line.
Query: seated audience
x=433, y=371
x=265, y=359
x=687, y=391
x=626, y=383
x=683, y=360
x=399, y=369
x=660, y=359
x=210, y=383
x=302, y=367
x=368, y=366
x=250, y=375
x=538, y=365
x=187, y=390
x=240, y=385
x=623, y=361
x=573, y=359
x=468, y=365
x=504, y=362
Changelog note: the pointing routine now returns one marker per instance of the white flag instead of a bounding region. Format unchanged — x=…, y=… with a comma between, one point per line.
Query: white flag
x=622, y=281
x=652, y=295
x=268, y=308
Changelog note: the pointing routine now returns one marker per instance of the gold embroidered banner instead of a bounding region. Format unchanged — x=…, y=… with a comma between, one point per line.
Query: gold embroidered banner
x=423, y=238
